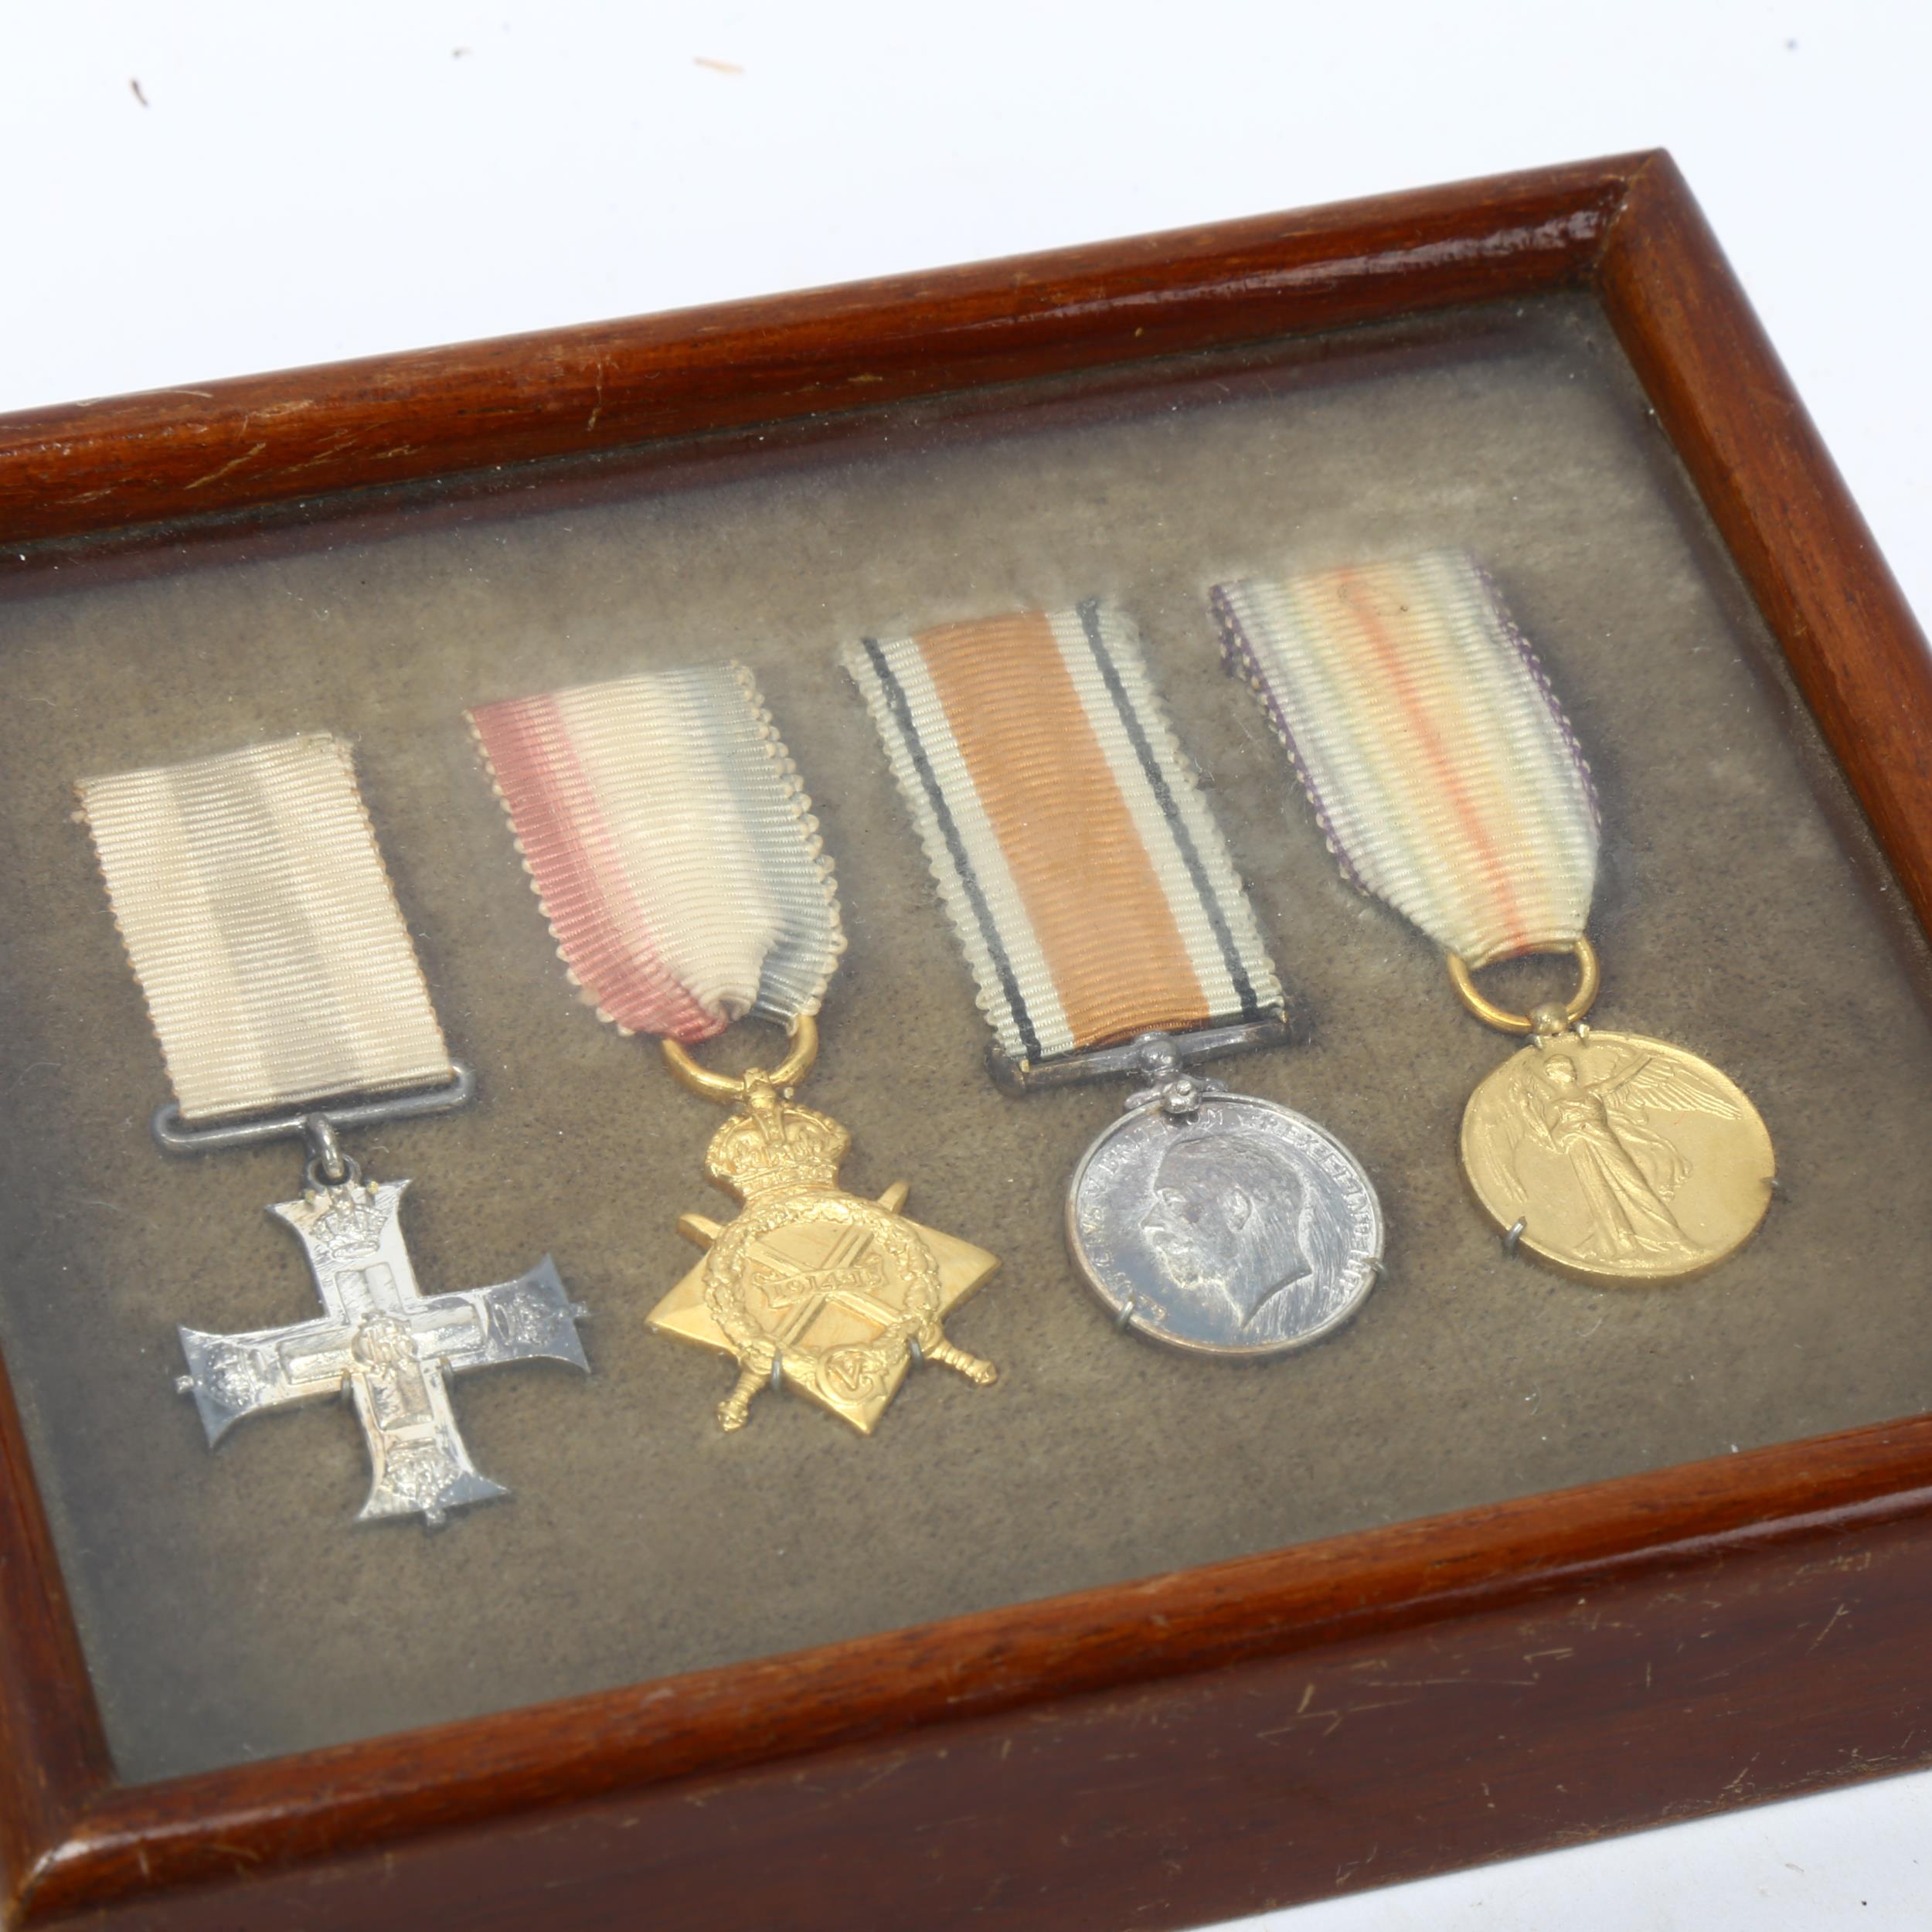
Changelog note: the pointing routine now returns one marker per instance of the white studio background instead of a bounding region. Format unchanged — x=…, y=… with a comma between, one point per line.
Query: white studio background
x=211, y=188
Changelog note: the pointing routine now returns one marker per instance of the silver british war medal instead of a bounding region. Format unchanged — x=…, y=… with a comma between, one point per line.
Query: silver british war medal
x=1096, y=901
x=281, y=980
x=676, y=857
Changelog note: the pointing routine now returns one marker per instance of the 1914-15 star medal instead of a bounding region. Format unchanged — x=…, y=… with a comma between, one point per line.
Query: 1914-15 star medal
x=680, y=868
x=837, y=1296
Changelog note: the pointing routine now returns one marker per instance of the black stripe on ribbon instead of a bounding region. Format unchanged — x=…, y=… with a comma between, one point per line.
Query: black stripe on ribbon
x=1170, y=810
x=955, y=846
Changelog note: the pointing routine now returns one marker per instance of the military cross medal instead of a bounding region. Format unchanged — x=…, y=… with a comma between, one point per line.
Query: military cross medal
x=390, y=1347
x=675, y=855
x=287, y=994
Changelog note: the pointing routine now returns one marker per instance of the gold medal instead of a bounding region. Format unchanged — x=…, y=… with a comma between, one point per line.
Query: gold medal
x=834, y=1295
x=1449, y=783
x=1612, y=1156
x=680, y=866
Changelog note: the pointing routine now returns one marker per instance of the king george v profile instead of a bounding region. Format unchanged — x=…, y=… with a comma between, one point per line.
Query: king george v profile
x=1234, y=1228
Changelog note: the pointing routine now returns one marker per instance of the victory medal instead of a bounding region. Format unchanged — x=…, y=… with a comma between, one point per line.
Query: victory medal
x=1097, y=904
x=673, y=848
x=1448, y=783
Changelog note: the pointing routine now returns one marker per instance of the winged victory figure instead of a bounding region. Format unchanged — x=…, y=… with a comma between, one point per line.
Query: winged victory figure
x=1627, y=1170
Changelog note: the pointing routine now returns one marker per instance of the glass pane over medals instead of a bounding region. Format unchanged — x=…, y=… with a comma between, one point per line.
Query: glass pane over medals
x=231, y=1606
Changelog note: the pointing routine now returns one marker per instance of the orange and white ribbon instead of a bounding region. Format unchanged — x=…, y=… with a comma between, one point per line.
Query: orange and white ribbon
x=262, y=927
x=672, y=845
x=1443, y=771
x=1090, y=889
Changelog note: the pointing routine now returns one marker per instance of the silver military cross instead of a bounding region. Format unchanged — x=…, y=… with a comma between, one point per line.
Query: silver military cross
x=391, y=1347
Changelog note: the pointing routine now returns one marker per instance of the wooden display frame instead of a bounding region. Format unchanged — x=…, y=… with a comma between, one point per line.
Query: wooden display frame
x=1207, y=1743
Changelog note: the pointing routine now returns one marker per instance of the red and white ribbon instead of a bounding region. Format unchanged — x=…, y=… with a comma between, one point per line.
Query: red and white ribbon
x=672, y=846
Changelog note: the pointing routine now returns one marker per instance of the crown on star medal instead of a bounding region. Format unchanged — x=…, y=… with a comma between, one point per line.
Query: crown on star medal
x=776, y=1143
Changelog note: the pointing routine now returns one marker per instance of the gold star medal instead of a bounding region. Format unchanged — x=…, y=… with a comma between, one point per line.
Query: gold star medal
x=836, y=1295
x=674, y=850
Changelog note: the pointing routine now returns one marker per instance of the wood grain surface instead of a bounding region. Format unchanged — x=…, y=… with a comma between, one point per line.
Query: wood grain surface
x=1774, y=492
x=180, y=453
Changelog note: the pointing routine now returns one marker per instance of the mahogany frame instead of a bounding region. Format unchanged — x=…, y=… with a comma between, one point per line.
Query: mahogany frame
x=1207, y=1743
